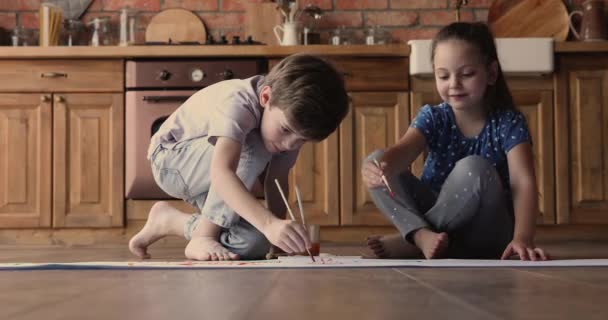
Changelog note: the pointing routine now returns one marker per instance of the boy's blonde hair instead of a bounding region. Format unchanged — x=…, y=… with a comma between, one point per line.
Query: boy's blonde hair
x=311, y=93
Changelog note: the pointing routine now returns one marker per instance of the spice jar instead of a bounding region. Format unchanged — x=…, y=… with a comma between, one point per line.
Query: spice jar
x=74, y=33
x=377, y=35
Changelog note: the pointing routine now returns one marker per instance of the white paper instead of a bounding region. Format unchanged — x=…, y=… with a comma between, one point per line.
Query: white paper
x=305, y=262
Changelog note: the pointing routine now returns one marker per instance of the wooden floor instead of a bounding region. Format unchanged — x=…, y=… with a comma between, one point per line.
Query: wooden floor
x=377, y=293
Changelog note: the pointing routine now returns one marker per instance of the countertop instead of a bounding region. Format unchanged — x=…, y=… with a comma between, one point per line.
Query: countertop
x=396, y=50
x=582, y=47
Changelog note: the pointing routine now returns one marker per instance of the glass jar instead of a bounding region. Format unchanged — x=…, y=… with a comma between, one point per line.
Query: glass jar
x=377, y=35
x=24, y=37
x=341, y=36
x=74, y=33
x=310, y=20
x=102, y=33
x=127, y=25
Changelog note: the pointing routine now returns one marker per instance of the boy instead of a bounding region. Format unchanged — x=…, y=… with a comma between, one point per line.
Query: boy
x=212, y=149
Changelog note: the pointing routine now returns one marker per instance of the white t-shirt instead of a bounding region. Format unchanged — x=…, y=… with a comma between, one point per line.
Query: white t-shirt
x=229, y=108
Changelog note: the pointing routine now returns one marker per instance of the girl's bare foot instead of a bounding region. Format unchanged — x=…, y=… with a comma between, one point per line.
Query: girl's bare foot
x=163, y=220
x=432, y=244
x=392, y=246
x=207, y=248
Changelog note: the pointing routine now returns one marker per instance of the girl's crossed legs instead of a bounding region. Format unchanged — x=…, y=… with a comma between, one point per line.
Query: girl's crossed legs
x=468, y=218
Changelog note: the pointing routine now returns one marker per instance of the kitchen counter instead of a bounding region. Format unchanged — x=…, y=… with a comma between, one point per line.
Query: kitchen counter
x=241, y=51
x=398, y=50
x=581, y=47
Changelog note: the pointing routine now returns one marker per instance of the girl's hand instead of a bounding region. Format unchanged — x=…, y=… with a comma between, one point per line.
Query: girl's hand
x=372, y=175
x=288, y=235
x=525, y=251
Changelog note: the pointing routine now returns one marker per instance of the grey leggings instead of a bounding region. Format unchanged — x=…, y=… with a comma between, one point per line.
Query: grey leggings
x=471, y=208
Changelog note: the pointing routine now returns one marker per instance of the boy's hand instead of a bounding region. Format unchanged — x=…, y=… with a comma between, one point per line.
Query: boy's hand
x=525, y=251
x=288, y=235
x=372, y=175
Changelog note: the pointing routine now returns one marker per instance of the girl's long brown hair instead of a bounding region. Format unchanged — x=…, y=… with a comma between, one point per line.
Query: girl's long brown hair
x=498, y=96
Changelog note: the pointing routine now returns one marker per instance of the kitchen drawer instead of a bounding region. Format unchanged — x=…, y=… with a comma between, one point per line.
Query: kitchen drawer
x=371, y=74
x=61, y=75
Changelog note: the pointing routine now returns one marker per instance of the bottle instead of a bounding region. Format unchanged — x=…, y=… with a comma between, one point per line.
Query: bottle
x=124, y=17
x=95, y=37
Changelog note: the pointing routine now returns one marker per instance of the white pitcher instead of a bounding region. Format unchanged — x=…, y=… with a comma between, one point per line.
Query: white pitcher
x=289, y=34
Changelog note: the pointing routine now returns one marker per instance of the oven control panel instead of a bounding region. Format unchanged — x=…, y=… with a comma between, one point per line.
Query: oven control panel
x=199, y=73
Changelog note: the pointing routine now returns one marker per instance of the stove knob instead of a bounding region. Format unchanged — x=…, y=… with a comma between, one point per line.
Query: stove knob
x=164, y=75
x=197, y=75
x=227, y=74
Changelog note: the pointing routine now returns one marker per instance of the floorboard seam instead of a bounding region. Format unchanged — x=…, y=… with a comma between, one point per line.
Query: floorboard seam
x=550, y=276
x=450, y=297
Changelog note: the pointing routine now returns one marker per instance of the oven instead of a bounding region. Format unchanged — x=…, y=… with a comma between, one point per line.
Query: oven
x=155, y=88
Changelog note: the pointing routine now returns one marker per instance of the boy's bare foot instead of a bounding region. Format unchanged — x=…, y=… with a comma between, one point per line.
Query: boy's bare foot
x=432, y=244
x=155, y=228
x=207, y=248
x=392, y=246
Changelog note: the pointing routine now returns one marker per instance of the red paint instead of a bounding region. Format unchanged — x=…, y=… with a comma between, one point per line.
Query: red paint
x=315, y=248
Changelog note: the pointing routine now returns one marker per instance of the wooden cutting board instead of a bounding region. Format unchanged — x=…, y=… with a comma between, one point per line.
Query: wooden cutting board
x=260, y=19
x=179, y=25
x=529, y=18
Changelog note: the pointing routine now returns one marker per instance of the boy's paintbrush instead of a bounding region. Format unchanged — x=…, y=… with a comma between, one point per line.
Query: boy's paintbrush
x=384, y=180
x=290, y=213
x=301, y=207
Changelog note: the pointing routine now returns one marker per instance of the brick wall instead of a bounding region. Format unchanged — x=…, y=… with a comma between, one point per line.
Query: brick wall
x=405, y=19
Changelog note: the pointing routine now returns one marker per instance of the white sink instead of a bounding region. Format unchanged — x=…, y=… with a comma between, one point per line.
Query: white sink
x=518, y=56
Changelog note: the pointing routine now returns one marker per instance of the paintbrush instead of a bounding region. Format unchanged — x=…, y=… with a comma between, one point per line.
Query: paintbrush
x=301, y=207
x=384, y=179
x=290, y=213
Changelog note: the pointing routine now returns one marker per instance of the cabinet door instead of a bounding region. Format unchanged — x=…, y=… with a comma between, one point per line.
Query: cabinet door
x=376, y=120
x=88, y=160
x=419, y=100
x=316, y=175
x=537, y=107
x=25, y=161
x=582, y=196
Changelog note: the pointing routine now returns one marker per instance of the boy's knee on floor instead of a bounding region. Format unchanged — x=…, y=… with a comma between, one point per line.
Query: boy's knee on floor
x=255, y=247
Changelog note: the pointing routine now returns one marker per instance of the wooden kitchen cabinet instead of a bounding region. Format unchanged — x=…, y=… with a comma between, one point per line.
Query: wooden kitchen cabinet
x=61, y=160
x=316, y=175
x=88, y=160
x=423, y=93
x=376, y=120
x=582, y=139
x=533, y=96
x=25, y=161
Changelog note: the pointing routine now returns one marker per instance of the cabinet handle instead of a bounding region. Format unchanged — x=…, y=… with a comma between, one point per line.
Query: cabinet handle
x=53, y=75
x=45, y=98
x=59, y=99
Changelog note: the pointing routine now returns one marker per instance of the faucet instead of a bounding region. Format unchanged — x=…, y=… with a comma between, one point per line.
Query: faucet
x=460, y=3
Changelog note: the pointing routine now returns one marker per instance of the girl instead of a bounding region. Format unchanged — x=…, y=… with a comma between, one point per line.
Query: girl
x=477, y=195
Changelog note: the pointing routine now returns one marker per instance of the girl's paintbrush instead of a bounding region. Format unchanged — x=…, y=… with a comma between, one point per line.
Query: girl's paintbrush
x=290, y=213
x=384, y=180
